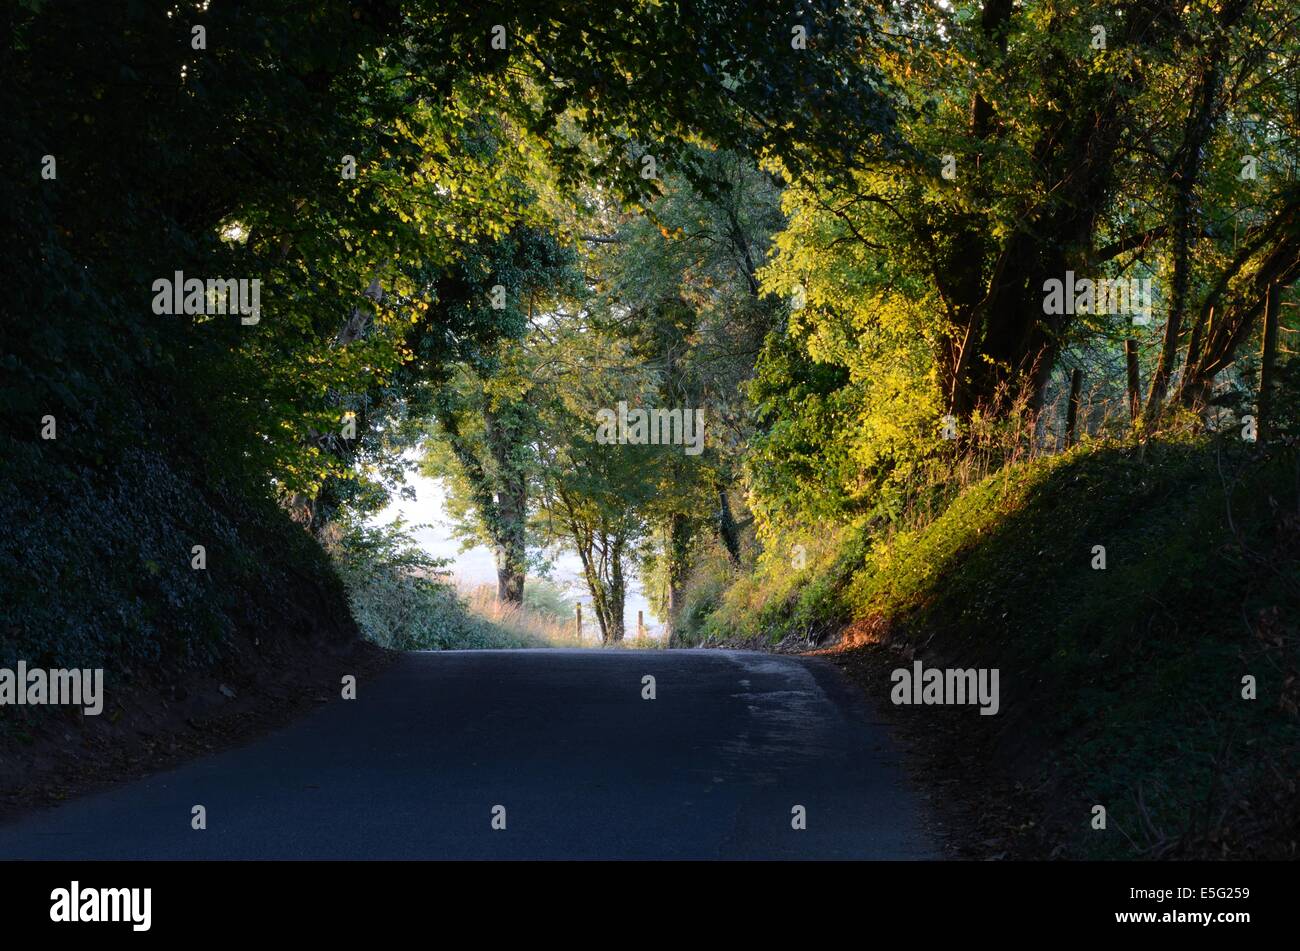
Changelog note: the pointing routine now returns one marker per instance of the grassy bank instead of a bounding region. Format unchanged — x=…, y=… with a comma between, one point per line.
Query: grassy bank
x=147, y=564
x=1120, y=686
x=200, y=650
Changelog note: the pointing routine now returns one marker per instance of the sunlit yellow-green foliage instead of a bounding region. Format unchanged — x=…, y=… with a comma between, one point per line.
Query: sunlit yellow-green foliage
x=853, y=308
x=1042, y=145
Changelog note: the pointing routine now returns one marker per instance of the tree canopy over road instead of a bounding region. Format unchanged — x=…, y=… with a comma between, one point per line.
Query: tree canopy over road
x=694, y=290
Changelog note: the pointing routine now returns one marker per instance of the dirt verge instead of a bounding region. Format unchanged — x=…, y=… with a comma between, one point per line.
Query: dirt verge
x=157, y=719
x=984, y=807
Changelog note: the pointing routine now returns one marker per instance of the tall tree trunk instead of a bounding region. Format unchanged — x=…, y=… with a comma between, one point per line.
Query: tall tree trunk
x=1270, y=255
x=1005, y=346
x=600, y=549
x=727, y=530
x=601, y=555
x=677, y=549
x=1184, y=172
x=507, y=522
x=617, y=590
x=512, y=536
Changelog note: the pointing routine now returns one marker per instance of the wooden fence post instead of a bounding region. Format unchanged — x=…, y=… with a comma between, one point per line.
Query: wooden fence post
x=578, y=606
x=640, y=624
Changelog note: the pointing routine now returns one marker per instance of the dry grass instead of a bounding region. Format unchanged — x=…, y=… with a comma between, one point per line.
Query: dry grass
x=538, y=628
x=535, y=628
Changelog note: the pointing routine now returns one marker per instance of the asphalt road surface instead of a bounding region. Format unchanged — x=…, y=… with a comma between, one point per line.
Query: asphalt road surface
x=584, y=767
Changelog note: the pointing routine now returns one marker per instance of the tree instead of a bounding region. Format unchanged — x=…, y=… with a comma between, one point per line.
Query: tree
x=1039, y=149
x=487, y=414
x=597, y=495
x=678, y=284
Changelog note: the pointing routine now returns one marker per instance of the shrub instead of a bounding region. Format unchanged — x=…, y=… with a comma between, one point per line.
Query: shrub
x=403, y=599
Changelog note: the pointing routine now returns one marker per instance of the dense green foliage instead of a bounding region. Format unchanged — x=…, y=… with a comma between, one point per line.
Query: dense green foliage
x=401, y=598
x=1160, y=149
x=828, y=229
x=350, y=158
x=1129, y=677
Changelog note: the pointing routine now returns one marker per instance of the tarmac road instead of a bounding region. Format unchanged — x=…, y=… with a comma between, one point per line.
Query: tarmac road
x=584, y=767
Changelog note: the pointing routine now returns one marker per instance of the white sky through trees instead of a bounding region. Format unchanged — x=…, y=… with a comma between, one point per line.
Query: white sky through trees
x=475, y=566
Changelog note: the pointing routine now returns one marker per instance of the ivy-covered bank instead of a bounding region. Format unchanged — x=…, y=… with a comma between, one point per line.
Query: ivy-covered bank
x=141, y=562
